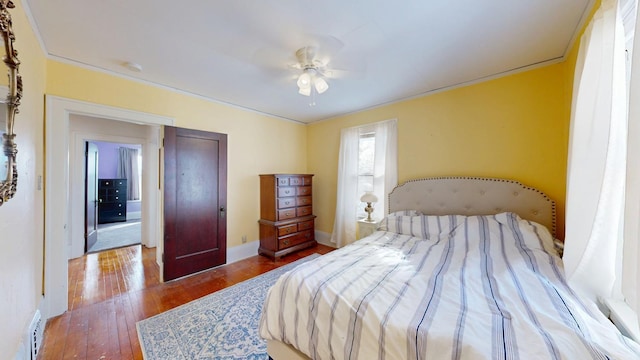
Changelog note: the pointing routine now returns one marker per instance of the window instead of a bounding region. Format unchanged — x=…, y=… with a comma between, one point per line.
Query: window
x=368, y=162
x=601, y=259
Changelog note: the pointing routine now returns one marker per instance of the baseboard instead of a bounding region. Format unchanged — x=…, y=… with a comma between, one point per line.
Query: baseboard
x=243, y=251
x=324, y=238
x=250, y=249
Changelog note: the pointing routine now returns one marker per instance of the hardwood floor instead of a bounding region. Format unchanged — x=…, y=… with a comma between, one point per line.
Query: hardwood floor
x=110, y=291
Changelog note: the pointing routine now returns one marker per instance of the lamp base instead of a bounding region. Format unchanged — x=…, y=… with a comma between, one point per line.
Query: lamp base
x=368, y=209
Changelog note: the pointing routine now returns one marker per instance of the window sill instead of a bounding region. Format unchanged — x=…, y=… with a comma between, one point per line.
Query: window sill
x=625, y=319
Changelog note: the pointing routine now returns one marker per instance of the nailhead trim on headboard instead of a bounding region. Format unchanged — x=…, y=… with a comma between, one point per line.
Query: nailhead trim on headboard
x=536, y=206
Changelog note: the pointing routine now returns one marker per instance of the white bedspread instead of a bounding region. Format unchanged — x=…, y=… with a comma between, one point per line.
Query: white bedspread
x=465, y=288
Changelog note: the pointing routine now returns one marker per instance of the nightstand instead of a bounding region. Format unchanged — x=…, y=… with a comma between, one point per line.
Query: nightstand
x=366, y=228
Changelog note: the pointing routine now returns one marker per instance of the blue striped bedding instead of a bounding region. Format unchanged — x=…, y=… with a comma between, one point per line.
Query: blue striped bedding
x=440, y=287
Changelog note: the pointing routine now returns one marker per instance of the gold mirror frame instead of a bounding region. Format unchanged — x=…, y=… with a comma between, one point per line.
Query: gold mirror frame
x=9, y=185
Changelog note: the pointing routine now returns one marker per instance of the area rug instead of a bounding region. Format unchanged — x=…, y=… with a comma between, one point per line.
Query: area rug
x=221, y=325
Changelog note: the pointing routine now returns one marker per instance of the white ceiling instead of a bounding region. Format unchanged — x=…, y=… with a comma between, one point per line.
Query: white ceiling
x=238, y=52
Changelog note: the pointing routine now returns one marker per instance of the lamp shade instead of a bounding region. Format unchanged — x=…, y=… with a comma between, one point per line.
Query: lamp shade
x=306, y=91
x=320, y=85
x=368, y=197
x=304, y=81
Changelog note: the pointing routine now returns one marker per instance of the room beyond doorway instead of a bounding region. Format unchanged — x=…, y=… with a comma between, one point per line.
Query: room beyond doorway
x=116, y=235
x=113, y=195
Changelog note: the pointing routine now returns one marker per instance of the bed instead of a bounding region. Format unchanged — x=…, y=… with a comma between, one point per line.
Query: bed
x=460, y=268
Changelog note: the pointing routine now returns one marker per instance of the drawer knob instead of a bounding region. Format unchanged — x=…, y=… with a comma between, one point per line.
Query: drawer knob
x=285, y=243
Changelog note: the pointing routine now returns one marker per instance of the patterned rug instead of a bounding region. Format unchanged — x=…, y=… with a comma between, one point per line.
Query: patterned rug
x=221, y=325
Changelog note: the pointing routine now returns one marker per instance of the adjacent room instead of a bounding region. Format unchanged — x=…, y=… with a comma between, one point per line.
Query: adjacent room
x=320, y=180
x=114, y=175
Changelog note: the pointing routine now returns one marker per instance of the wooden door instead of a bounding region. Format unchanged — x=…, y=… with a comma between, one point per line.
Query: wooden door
x=90, y=196
x=195, y=196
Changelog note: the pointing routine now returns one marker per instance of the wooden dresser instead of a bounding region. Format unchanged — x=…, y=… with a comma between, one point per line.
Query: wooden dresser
x=112, y=200
x=286, y=214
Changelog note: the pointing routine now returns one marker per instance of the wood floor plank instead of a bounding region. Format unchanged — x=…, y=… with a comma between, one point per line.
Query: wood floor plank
x=111, y=290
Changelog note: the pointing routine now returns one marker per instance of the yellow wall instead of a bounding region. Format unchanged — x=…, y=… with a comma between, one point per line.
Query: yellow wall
x=513, y=127
x=21, y=218
x=256, y=143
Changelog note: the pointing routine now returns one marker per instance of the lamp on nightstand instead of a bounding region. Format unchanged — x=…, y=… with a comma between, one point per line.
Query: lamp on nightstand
x=369, y=198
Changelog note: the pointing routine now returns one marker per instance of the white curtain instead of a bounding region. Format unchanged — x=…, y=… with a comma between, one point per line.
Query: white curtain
x=128, y=169
x=597, y=157
x=630, y=269
x=385, y=176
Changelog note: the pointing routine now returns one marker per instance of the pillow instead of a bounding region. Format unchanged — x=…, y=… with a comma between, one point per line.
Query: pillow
x=404, y=224
x=422, y=226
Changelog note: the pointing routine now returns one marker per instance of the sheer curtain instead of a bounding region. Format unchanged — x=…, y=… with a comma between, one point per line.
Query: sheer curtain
x=128, y=169
x=630, y=267
x=597, y=156
x=385, y=176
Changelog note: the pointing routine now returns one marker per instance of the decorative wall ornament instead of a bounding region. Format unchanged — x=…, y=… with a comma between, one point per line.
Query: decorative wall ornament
x=8, y=168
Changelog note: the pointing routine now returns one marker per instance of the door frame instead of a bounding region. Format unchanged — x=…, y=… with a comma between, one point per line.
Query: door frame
x=57, y=212
x=90, y=199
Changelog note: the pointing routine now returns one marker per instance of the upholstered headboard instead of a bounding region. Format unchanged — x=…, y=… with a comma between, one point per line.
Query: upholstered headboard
x=474, y=196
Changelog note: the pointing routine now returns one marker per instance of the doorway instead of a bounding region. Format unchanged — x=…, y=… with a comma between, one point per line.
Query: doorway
x=114, y=196
x=64, y=200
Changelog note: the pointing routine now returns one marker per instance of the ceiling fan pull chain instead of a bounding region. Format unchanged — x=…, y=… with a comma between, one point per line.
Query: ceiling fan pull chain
x=313, y=98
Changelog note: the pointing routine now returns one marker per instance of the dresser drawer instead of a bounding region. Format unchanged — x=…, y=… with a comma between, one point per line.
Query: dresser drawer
x=109, y=183
x=115, y=198
x=304, y=211
x=287, y=202
x=286, y=191
x=119, y=206
x=303, y=200
x=110, y=198
x=113, y=213
x=295, y=181
x=297, y=238
x=283, y=181
x=286, y=214
x=305, y=225
x=105, y=183
x=286, y=230
x=303, y=190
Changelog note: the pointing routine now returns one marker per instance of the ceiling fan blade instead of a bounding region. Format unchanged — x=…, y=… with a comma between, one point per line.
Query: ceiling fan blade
x=326, y=45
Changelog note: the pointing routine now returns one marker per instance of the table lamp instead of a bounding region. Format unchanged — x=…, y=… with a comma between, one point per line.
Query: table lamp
x=369, y=198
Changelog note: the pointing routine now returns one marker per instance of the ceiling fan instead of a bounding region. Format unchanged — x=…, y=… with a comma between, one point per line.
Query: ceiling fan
x=311, y=62
x=314, y=71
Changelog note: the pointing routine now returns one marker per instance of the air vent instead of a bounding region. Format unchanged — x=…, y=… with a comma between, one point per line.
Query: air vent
x=36, y=331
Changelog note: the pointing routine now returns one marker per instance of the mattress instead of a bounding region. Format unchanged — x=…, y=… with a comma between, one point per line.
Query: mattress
x=440, y=287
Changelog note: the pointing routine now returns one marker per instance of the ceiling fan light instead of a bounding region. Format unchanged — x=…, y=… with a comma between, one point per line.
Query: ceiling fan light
x=304, y=80
x=306, y=91
x=320, y=85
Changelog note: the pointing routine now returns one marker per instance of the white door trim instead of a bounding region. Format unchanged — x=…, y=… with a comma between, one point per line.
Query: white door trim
x=57, y=204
